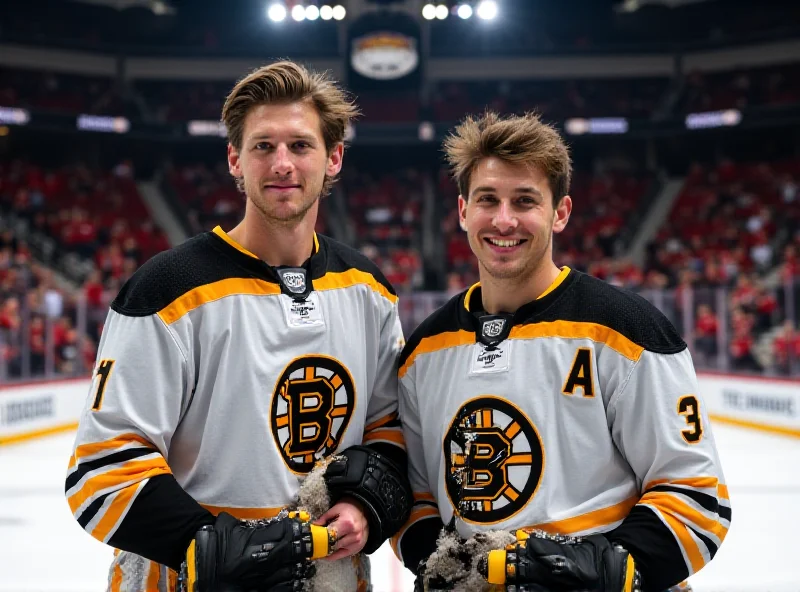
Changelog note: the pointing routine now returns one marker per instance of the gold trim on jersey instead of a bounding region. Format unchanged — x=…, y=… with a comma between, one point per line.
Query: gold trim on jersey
x=226, y=237
x=215, y=291
x=580, y=330
x=590, y=520
x=435, y=343
x=244, y=513
x=86, y=450
x=682, y=534
x=352, y=277
x=556, y=283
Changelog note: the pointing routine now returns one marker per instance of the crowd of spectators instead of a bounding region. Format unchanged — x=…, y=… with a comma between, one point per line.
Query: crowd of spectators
x=94, y=216
x=556, y=100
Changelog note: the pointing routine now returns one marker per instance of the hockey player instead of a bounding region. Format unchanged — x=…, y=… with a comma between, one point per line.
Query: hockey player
x=233, y=363
x=544, y=400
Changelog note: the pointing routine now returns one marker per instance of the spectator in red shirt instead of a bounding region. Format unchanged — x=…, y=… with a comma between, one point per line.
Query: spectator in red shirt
x=786, y=348
x=706, y=327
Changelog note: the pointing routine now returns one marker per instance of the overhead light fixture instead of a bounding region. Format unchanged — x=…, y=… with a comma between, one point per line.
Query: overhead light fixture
x=312, y=12
x=326, y=13
x=276, y=12
x=464, y=11
x=487, y=10
x=442, y=11
x=339, y=12
x=298, y=12
x=429, y=12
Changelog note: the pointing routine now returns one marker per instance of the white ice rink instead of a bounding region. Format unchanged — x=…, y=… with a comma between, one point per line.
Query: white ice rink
x=43, y=549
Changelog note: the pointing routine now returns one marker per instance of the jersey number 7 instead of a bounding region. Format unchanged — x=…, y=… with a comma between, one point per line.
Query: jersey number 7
x=103, y=373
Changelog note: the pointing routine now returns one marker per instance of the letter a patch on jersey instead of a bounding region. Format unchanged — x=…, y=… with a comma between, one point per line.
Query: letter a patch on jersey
x=580, y=374
x=312, y=404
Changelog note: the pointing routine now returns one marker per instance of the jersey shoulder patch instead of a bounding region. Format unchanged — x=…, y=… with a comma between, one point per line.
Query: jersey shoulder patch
x=591, y=300
x=171, y=274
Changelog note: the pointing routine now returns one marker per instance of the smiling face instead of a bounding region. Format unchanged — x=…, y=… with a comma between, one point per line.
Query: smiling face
x=283, y=161
x=509, y=218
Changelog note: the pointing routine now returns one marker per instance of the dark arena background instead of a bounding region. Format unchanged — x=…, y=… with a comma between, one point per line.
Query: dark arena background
x=682, y=117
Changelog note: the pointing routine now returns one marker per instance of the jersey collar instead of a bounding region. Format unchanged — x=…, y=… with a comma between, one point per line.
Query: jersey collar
x=473, y=304
x=316, y=264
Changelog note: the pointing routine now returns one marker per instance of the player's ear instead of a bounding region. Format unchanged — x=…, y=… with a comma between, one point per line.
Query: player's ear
x=462, y=213
x=561, y=214
x=234, y=164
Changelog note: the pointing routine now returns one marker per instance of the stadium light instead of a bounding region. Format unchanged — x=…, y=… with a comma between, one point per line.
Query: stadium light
x=312, y=12
x=326, y=13
x=464, y=11
x=429, y=12
x=339, y=12
x=298, y=12
x=487, y=10
x=442, y=11
x=276, y=12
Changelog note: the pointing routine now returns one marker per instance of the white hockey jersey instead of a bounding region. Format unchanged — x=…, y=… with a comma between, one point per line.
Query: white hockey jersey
x=208, y=373
x=585, y=419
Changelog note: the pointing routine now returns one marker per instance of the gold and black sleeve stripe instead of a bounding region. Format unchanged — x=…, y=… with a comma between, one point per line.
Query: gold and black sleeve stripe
x=122, y=492
x=675, y=529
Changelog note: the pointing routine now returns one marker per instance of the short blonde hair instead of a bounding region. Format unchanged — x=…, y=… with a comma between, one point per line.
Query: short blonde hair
x=513, y=139
x=289, y=82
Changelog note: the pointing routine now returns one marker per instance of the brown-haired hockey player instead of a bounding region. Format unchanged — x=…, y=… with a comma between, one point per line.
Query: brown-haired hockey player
x=553, y=422
x=233, y=364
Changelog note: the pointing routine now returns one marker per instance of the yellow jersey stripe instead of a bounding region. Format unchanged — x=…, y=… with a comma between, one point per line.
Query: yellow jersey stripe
x=590, y=520
x=124, y=475
x=556, y=282
x=669, y=503
x=122, y=501
x=421, y=496
x=435, y=343
x=116, y=577
x=685, y=540
x=693, y=482
x=580, y=330
x=380, y=422
x=86, y=450
x=224, y=236
x=393, y=436
x=244, y=513
x=153, y=576
x=215, y=291
x=352, y=277
x=722, y=492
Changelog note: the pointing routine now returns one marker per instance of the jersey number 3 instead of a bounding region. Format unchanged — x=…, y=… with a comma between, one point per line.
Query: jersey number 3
x=689, y=407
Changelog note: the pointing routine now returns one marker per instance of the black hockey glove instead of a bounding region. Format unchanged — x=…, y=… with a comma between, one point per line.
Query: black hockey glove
x=562, y=564
x=245, y=556
x=378, y=484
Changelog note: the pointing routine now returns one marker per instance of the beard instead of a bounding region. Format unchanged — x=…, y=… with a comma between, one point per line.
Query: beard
x=284, y=212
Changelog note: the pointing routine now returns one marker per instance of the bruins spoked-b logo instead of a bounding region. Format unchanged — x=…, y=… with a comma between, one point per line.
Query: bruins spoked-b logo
x=493, y=460
x=312, y=404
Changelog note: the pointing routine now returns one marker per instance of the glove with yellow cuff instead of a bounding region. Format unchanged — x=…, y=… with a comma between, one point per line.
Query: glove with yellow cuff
x=253, y=555
x=539, y=561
